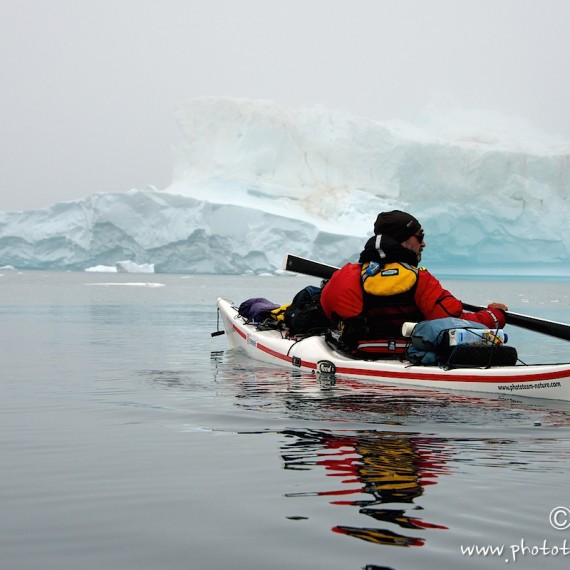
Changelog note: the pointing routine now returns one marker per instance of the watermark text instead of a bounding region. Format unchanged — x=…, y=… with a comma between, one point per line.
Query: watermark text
x=515, y=551
x=559, y=519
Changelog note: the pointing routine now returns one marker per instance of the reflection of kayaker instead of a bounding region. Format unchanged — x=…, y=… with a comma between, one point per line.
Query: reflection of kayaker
x=392, y=468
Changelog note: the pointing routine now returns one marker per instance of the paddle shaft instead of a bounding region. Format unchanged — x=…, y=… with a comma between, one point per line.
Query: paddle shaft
x=321, y=270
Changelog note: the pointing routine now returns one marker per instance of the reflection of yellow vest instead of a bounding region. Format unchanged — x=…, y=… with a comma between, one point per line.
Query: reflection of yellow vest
x=390, y=279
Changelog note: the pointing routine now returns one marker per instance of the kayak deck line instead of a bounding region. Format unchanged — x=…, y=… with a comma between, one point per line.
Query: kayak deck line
x=550, y=381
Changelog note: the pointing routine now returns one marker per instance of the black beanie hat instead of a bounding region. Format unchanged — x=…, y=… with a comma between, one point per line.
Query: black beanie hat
x=396, y=224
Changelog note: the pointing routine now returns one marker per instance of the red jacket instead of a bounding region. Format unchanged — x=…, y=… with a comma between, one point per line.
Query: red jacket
x=435, y=302
x=342, y=298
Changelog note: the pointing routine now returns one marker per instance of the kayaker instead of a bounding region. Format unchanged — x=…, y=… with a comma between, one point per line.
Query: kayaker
x=375, y=296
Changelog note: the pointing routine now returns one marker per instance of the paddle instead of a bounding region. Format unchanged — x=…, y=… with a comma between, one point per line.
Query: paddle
x=323, y=271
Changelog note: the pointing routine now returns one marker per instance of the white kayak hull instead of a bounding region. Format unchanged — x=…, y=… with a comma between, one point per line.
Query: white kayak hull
x=314, y=355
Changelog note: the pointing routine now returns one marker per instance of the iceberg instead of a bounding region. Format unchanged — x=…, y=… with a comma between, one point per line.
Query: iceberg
x=254, y=181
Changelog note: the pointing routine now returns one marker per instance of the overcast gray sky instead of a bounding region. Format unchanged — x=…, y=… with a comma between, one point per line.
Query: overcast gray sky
x=89, y=87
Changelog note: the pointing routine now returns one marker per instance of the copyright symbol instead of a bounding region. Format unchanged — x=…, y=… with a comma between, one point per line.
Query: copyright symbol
x=560, y=518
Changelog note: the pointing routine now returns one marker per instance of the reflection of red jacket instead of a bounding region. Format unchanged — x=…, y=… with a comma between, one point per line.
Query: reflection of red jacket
x=343, y=297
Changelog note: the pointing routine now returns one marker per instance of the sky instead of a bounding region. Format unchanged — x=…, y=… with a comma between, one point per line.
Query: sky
x=90, y=87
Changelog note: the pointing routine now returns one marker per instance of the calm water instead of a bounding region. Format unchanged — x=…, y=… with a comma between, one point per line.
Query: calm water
x=132, y=439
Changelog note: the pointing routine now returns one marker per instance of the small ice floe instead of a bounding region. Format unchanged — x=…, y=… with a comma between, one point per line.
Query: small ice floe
x=134, y=284
x=132, y=267
x=123, y=267
x=102, y=269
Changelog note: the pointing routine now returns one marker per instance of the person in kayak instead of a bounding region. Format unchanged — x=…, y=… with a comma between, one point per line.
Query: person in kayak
x=385, y=289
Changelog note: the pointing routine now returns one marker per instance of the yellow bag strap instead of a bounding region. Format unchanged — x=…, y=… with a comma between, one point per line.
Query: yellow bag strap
x=279, y=313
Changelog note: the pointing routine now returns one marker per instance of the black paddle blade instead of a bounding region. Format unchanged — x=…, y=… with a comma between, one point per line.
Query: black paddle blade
x=308, y=267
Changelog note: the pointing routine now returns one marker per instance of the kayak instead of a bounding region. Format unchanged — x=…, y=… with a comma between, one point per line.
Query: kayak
x=314, y=355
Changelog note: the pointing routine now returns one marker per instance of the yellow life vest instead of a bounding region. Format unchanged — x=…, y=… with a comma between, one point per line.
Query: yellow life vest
x=390, y=279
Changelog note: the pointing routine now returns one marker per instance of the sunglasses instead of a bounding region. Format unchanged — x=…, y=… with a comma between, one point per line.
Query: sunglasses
x=420, y=237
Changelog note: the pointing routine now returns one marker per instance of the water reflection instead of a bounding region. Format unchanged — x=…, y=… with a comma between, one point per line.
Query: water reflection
x=304, y=396
x=367, y=455
x=381, y=474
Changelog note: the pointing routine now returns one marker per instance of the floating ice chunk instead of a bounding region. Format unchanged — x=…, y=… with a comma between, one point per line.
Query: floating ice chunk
x=131, y=267
x=102, y=269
